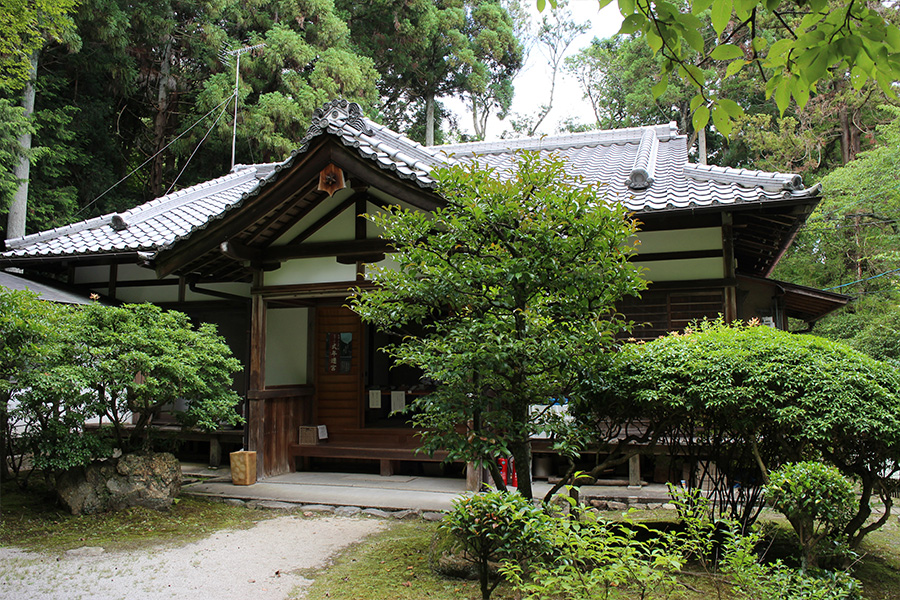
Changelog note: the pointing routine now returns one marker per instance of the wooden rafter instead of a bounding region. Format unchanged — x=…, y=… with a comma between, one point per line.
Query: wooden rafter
x=279, y=213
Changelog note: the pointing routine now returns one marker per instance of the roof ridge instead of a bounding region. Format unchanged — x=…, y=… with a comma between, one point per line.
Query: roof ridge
x=629, y=135
x=48, y=234
x=157, y=206
x=744, y=177
x=424, y=152
x=642, y=171
x=143, y=211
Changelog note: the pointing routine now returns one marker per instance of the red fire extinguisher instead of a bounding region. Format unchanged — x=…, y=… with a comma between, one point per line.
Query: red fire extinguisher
x=504, y=473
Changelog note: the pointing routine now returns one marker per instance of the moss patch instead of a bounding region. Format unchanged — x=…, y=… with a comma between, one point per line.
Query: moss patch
x=392, y=564
x=33, y=520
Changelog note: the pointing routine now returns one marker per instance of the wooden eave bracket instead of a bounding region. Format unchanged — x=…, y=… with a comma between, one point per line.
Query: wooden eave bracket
x=331, y=179
x=248, y=257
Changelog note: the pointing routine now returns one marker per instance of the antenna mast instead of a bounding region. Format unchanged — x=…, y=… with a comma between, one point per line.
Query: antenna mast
x=225, y=55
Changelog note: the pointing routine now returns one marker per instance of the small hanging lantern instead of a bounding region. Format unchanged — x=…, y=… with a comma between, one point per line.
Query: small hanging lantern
x=331, y=179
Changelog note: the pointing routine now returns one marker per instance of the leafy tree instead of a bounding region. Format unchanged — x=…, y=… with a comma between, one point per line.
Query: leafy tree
x=617, y=75
x=555, y=34
x=496, y=526
x=853, y=233
x=26, y=27
x=836, y=125
x=65, y=365
x=783, y=397
x=52, y=399
x=12, y=125
x=21, y=334
x=514, y=283
x=793, y=45
x=426, y=49
x=850, y=244
x=149, y=73
x=140, y=358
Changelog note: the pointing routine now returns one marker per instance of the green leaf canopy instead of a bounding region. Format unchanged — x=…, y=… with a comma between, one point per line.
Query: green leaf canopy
x=514, y=283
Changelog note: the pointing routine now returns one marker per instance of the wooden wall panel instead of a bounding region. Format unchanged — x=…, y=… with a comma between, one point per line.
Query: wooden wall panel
x=659, y=312
x=283, y=418
x=339, y=396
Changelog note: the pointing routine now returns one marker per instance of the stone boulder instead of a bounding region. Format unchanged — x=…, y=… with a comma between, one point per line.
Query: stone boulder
x=149, y=480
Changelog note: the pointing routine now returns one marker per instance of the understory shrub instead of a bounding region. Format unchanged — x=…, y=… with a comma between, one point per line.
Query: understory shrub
x=61, y=367
x=818, y=502
x=748, y=398
x=596, y=559
x=495, y=526
x=578, y=556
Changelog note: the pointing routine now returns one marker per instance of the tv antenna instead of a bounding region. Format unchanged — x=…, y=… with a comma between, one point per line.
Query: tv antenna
x=225, y=56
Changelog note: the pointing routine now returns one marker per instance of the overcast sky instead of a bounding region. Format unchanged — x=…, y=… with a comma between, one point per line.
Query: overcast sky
x=533, y=82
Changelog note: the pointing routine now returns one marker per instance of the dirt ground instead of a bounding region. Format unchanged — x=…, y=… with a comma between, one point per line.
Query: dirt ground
x=270, y=561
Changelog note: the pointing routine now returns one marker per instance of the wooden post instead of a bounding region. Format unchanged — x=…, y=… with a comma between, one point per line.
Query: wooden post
x=634, y=472
x=731, y=311
x=474, y=477
x=113, y=280
x=215, y=452
x=256, y=420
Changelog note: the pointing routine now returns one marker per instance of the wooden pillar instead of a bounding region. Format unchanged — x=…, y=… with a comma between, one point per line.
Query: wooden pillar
x=634, y=472
x=215, y=452
x=113, y=280
x=474, y=477
x=731, y=311
x=256, y=420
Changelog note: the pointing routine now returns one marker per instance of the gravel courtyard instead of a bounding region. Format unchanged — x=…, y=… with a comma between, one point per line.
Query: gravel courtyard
x=265, y=562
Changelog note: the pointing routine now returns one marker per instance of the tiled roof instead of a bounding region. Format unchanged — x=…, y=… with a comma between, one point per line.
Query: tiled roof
x=390, y=150
x=146, y=227
x=644, y=168
x=51, y=293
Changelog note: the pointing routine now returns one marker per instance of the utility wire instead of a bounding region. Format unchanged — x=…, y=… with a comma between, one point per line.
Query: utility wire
x=138, y=168
x=861, y=280
x=200, y=143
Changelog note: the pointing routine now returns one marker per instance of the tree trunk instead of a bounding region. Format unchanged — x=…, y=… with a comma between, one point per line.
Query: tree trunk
x=701, y=146
x=521, y=452
x=4, y=434
x=479, y=120
x=165, y=85
x=845, y=135
x=18, y=209
x=429, y=119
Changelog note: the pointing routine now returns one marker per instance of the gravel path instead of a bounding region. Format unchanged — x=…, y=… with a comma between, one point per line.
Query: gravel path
x=260, y=563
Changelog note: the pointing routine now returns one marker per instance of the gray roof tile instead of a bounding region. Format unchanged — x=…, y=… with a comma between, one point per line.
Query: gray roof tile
x=643, y=168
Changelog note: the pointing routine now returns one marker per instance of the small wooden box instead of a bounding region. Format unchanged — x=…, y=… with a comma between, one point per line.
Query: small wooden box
x=309, y=435
x=243, y=467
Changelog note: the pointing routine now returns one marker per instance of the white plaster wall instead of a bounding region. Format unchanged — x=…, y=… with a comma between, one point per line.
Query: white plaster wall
x=317, y=213
x=683, y=270
x=135, y=272
x=91, y=274
x=286, y=346
x=680, y=240
x=342, y=227
x=310, y=270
